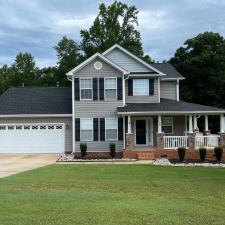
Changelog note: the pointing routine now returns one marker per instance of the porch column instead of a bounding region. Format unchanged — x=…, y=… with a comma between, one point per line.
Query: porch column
x=206, y=131
x=195, y=123
x=159, y=124
x=222, y=129
x=129, y=135
x=129, y=125
x=190, y=124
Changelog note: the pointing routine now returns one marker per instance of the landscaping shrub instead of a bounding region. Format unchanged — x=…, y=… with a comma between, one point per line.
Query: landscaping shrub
x=181, y=153
x=83, y=149
x=202, y=153
x=112, y=148
x=218, y=153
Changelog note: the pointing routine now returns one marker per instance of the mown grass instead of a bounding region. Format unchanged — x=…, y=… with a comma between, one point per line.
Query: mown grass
x=113, y=195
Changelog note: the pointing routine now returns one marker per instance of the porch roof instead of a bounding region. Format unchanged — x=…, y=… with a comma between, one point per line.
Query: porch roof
x=169, y=107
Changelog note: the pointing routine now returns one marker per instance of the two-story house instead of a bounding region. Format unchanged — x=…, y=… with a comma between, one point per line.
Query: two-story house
x=115, y=97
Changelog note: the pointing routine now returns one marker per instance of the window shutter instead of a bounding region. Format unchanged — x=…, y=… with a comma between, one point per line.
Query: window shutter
x=102, y=129
x=77, y=89
x=130, y=87
x=126, y=123
x=120, y=129
x=95, y=88
x=95, y=128
x=119, y=88
x=77, y=129
x=151, y=87
x=101, y=88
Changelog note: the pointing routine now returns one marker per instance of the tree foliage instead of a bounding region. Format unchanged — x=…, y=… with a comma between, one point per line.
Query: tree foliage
x=202, y=62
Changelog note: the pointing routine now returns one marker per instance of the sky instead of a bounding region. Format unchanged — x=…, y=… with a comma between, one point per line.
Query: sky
x=36, y=26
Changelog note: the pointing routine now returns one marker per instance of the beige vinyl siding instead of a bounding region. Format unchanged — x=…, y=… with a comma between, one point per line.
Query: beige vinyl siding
x=143, y=99
x=99, y=108
x=126, y=62
x=66, y=121
x=168, y=90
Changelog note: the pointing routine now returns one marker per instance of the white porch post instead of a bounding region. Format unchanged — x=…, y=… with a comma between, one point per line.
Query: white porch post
x=159, y=124
x=124, y=135
x=206, y=123
x=129, y=125
x=190, y=124
x=195, y=123
x=222, y=129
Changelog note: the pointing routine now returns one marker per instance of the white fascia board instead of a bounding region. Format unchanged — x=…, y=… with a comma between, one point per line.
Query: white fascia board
x=180, y=78
x=133, y=56
x=172, y=113
x=35, y=115
x=81, y=65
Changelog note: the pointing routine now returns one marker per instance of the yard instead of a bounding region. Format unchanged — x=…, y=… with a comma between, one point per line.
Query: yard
x=113, y=194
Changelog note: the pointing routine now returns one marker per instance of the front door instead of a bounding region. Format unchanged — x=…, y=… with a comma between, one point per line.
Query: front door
x=141, y=132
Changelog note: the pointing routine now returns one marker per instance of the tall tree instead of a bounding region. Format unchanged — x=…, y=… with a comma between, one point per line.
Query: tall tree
x=114, y=24
x=202, y=62
x=68, y=57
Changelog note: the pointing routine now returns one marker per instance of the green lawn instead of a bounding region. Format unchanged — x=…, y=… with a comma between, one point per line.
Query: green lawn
x=113, y=194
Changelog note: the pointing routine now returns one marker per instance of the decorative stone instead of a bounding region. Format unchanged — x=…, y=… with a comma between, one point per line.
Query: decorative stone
x=159, y=141
x=129, y=141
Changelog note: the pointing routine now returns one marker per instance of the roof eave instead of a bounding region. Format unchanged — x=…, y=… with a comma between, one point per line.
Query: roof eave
x=172, y=113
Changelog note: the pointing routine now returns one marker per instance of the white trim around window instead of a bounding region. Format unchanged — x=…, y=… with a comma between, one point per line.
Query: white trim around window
x=111, y=124
x=140, y=87
x=89, y=88
x=167, y=121
x=86, y=128
x=110, y=88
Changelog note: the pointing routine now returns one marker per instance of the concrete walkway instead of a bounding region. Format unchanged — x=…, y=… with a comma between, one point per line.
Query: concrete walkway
x=15, y=163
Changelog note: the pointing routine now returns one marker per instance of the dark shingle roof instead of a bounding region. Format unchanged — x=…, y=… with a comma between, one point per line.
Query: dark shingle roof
x=168, y=106
x=168, y=69
x=36, y=100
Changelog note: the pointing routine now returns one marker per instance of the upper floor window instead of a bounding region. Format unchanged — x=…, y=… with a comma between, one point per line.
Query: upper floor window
x=167, y=125
x=110, y=88
x=86, y=88
x=140, y=87
x=86, y=129
x=111, y=128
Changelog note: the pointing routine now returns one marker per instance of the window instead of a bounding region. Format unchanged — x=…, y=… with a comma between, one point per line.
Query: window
x=140, y=87
x=26, y=127
x=42, y=127
x=10, y=127
x=167, y=125
x=86, y=129
x=86, y=88
x=34, y=127
x=2, y=127
x=110, y=88
x=111, y=126
x=19, y=127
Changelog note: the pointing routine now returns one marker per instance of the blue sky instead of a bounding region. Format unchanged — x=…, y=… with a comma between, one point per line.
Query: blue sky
x=36, y=26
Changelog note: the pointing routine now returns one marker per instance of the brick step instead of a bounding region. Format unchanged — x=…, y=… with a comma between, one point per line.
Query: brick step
x=145, y=155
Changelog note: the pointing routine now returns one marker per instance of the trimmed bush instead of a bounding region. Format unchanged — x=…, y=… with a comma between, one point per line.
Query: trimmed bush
x=83, y=149
x=218, y=153
x=202, y=153
x=181, y=153
x=112, y=148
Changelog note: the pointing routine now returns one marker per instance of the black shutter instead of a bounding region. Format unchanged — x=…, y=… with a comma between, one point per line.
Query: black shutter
x=130, y=87
x=101, y=88
x=95, y=88
x=120, y=129
x=126, y=122
x=77, y=89
x=119, y=88
x=77, y=129
x=102, y=129
x=151, y=87
x=95, y=128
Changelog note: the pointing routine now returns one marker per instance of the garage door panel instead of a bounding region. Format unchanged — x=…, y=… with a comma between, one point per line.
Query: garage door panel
x=32, y=140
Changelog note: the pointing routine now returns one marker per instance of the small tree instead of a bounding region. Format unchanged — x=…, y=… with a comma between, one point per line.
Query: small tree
x=202, y=153
x=218, y=153
x=112, y=148
x=83, y=149
x=181, y=153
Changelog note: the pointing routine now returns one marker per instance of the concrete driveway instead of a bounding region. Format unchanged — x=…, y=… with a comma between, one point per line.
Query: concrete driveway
x=15, y=163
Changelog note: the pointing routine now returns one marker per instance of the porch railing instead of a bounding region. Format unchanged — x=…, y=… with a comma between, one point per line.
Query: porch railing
x=174, y=142
x=209, y=141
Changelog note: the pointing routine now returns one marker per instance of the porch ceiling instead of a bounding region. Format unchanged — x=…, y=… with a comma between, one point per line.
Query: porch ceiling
x=169, y=107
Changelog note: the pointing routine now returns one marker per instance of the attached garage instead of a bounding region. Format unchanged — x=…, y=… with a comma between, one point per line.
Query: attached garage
x=36, y=120
x=32, y=138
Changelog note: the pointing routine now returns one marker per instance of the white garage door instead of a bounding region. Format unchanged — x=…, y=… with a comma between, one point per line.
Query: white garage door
x=32, y=138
